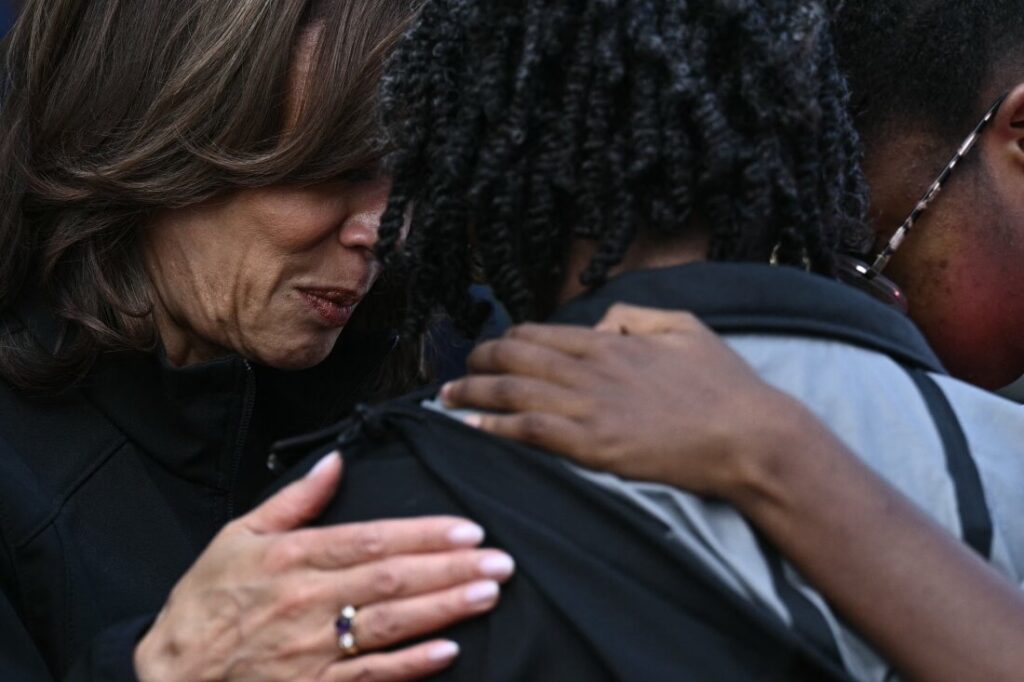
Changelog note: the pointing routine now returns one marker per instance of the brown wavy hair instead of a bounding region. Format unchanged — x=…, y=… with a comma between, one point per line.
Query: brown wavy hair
x=111, y=111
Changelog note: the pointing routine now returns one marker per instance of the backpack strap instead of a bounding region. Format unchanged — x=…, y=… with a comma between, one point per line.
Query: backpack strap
x=975, y=518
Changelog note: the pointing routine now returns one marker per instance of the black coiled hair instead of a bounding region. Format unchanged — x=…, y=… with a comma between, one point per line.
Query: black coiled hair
x=521, y=124
x=927, y=63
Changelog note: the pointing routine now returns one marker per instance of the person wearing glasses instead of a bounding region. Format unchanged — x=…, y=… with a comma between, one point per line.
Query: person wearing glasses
x=943, y=133
x=641, y=208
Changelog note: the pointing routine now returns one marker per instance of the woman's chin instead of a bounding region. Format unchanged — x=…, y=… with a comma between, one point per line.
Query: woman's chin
x=298, y=356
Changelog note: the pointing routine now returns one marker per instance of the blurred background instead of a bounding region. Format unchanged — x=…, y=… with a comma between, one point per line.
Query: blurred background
x=8, y=9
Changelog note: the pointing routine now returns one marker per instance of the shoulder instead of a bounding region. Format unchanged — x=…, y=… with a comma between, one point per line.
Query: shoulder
x=47, y=446
x=390, y=463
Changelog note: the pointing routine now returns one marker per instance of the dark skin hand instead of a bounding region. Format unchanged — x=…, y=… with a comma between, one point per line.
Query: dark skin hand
x=655, y=395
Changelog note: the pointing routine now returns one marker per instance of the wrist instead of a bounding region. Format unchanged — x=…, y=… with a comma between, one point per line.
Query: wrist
x=767, y=455
x=158, y=658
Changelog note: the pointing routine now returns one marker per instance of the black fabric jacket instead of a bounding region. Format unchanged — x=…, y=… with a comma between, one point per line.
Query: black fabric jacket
x=602, y=592
x=109, y=492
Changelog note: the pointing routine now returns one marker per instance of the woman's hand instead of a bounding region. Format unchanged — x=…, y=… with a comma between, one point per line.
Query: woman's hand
x=262, y=600
x=648, y=394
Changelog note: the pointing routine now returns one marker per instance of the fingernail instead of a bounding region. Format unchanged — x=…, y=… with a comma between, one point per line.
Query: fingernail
x=484, y=591
x=446, y=391
x=324, y=462
x=473, y=419
x=497, y=566
x=466, y=535
x=444, y=651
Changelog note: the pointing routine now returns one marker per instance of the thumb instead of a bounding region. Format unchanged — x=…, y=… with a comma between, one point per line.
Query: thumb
x=300, y=502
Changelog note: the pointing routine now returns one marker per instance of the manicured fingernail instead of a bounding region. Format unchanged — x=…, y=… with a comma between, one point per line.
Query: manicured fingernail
x=324, y=462
x=473, y=419
x=445, y=651
x=483, y=591
x=497, y=566
x=466, y=535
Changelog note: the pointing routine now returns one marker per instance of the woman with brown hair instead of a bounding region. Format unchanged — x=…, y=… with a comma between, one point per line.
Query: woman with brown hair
x=191, y=197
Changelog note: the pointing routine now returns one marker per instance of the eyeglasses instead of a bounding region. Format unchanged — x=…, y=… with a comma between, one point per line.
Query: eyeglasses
x=870, y=279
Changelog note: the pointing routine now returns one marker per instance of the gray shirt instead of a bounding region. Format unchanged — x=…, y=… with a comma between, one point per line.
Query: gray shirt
x=833, y=349
x=873, y=406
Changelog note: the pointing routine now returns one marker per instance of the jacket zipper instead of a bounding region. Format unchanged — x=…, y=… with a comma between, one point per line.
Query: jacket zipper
x=243, y=436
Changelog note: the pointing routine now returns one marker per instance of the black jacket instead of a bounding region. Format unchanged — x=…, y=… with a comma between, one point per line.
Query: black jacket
x=109, y=492
x=602, y=592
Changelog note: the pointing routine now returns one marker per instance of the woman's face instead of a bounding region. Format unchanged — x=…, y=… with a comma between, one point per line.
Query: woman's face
x=272, y=274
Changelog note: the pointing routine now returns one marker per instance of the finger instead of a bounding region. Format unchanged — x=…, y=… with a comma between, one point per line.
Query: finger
x=628, y=319
x=381, y=625
x=298, y=503
x=569, y=339
x=413, y=575
x=547, y=431
x=507, y=393
x=340, y=546
x=513, y=356
x=413, y=663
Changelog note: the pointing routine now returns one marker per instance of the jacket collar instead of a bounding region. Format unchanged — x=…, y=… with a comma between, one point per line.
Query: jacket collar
x=737, y=298
x=200, y=421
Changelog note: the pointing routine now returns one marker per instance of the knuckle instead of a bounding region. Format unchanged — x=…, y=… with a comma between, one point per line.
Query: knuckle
x=383, y=628
x=285, y=552
x=388, y=582
x=503, y=391
x=297, y=600
x=533, y=427
x=369, y=541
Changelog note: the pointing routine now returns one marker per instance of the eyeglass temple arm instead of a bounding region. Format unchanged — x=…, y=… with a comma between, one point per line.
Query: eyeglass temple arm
x=901, y=234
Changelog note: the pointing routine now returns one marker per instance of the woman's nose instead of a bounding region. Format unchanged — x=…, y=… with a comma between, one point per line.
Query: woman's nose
x=359, y=230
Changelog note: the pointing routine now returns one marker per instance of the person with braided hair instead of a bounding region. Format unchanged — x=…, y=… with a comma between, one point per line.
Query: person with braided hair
x=924, y=73
x=577, y=154
x=725, y=124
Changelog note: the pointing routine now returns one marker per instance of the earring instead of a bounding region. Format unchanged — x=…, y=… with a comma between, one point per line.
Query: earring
x=806, y=259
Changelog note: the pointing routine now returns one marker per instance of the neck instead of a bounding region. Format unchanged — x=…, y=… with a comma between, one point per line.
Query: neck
x=182, y=346
x=644, y=254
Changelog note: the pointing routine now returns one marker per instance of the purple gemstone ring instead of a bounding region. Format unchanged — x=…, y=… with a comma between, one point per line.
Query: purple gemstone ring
x=345, y=628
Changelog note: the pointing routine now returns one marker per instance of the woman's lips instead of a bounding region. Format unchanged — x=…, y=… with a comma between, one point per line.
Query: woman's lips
x=333, y=306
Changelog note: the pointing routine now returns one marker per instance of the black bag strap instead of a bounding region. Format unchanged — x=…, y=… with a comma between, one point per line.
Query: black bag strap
x=975, y=519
